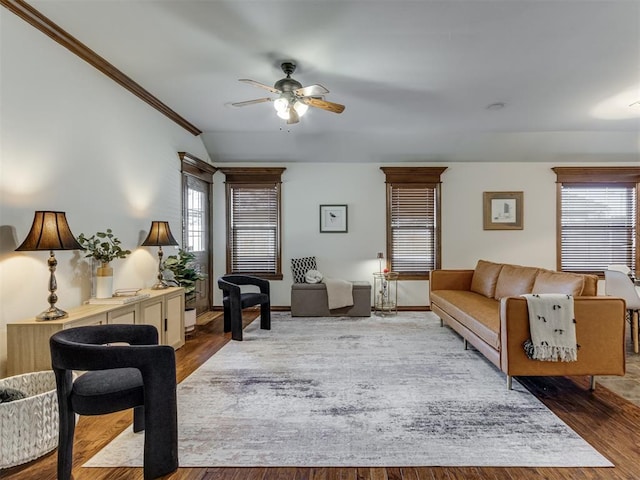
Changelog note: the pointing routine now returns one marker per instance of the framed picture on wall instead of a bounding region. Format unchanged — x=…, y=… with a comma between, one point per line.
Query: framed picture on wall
x=333, y=219
x=502, y=210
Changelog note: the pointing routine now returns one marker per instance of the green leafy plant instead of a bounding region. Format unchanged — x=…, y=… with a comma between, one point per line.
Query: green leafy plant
x=186, y=272
x=103, y=246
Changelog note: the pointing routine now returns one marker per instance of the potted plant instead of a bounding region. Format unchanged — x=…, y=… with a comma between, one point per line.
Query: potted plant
x=186, y=273
x=103, y=247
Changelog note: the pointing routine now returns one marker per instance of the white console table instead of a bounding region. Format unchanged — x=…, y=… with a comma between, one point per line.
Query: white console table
x=28, y=340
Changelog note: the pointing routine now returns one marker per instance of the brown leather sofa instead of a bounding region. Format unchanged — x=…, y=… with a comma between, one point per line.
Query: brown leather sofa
x=485, y=307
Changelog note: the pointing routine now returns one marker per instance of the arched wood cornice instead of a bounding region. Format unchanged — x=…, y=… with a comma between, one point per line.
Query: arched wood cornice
x=413, y=174
x=198, y=168
x=253, y=174
x=53, y=31
x=597, y=174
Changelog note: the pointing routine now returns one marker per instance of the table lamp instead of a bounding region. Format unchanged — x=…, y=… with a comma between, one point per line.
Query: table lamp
x=159, y=236
x=50, y=231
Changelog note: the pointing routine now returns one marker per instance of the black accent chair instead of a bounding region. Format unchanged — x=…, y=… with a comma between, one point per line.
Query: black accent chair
x=140, y=375
x=234, y=300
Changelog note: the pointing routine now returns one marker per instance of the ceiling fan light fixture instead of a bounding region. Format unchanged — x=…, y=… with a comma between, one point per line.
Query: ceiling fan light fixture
x=300, y=108
x=293, y=100
x=281, y=105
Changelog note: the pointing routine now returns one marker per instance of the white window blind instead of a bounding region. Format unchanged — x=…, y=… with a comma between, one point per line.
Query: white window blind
x=253, y=232
x=412, y=229
x=598, y=226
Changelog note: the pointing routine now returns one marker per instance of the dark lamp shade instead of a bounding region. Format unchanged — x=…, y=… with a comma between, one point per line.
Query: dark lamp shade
x=159, y=235
x=50, y=231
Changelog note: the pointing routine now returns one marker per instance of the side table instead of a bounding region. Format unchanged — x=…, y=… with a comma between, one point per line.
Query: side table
x=385, y=291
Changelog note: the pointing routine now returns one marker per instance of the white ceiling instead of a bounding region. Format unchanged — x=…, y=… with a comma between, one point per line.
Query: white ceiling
x=416, y=76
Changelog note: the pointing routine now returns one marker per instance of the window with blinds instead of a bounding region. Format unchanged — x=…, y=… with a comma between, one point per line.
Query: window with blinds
x=253, y=221
x=254, y=229
x=597, y=218
x=598, y=226
x=413, y=229
x=413, y=225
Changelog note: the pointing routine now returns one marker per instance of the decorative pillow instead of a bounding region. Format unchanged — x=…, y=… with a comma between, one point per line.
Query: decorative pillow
x=485, y=277
x=11, y=395
x=558, y=282
x=300, y=267
x=313, y=276
x=515, y=280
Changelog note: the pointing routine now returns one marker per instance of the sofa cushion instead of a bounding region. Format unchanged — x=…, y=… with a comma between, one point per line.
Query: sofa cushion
x=478, y=313
x=590, y=287
x=558, y=282
x=485, y=277
x=515, y=280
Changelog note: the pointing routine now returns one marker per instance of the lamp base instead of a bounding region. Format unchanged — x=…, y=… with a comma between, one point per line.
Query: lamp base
x=52, y=313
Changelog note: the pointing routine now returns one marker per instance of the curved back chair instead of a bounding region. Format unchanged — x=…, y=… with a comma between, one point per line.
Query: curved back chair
x=234, y=300
x=618, y=284
x=134, y=372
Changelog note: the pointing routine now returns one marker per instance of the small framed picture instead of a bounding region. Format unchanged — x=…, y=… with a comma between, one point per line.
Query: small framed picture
x=333, y=219
x=502, y=210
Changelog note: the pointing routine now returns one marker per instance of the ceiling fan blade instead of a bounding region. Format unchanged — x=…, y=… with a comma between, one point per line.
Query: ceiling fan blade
x=251, y=102
x=258, y=84
x=311, y=91
x=323, y=104
x=293, y=116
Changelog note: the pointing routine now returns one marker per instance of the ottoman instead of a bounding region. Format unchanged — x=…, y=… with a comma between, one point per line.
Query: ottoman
x=310, y=300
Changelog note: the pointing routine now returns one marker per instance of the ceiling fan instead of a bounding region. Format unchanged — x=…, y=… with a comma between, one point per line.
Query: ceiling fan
x=293, y=99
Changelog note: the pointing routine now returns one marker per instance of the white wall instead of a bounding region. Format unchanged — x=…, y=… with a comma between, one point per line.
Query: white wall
x=361, y=186
x=73, y=140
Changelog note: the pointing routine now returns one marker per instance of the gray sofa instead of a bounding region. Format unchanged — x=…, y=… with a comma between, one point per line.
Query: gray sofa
x=310, y=300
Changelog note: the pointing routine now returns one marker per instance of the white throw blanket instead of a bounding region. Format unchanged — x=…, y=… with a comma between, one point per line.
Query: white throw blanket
x=552, y=326
x=339, y=292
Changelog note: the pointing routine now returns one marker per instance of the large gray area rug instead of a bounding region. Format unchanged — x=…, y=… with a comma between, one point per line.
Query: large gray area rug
x=391, y=391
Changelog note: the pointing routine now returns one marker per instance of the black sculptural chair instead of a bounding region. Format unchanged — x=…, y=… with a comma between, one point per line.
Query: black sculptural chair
x=234, y=300
x=140, y=375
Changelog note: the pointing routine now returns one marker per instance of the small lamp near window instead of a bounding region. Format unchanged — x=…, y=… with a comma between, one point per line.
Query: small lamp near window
x=159, y=236
x=380, y=258
x=50, y=231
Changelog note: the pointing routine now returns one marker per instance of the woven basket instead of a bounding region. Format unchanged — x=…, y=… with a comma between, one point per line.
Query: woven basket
x=29, y=426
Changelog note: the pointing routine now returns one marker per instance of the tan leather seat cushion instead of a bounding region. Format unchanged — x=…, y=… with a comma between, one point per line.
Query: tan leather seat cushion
x=479, y=314
x=558, y=282
x=515, y=280
x=485, y=277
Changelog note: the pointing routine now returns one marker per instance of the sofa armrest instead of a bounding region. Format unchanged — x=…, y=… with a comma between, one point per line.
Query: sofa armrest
x=450, y=280
x=600, y=327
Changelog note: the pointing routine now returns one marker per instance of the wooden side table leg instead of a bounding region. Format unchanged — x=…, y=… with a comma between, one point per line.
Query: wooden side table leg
x=634, y=330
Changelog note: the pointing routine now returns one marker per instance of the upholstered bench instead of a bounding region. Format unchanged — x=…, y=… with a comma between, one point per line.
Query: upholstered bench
x=310, y=300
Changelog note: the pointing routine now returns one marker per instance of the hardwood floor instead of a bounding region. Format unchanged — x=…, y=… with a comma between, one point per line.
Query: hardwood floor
x=607, y=421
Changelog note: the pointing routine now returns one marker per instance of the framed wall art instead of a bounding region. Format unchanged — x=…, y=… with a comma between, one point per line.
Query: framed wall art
x=502, y=210
x=333, y=219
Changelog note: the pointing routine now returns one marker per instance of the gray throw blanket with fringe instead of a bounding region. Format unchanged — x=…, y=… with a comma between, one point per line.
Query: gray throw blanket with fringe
x=552, y=326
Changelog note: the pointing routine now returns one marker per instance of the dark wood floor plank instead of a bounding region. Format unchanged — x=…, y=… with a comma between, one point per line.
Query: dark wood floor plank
x=394, y=473
x=409, y=473
x=605, y=420
x=348, y=473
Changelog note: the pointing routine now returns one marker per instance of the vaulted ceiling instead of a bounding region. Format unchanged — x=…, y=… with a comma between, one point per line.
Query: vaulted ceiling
x=417, y=77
